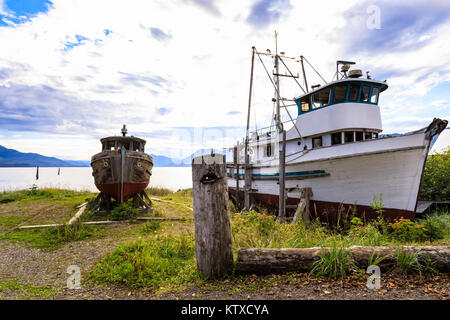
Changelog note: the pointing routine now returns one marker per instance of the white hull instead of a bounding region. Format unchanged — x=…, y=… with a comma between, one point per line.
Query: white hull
x=353, y=173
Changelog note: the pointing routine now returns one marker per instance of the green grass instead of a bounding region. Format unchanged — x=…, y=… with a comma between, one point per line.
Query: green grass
x=45, y=193
x=26, y=291
x=153, y=262
x=255, y=230
x=413, y=262
x=333, y=264
x=181, y=196
x=53, y=238
x=7, y=222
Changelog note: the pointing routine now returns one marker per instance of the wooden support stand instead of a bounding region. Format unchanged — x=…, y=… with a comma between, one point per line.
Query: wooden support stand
x=102, y=203
x=303, y=205
x=211, y=216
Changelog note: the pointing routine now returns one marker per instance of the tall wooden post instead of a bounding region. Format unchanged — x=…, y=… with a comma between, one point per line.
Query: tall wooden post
x=248, y=183
x=236, y=166
x=211, y=216
x=282, y=171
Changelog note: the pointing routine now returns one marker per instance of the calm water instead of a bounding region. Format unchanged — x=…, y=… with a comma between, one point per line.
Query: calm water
x=81, y=178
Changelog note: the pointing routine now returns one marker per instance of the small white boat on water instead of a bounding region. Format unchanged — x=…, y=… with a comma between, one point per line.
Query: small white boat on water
x=335, y=148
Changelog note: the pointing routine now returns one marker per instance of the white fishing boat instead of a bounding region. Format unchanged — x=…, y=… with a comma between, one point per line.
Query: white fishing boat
x=334, y=147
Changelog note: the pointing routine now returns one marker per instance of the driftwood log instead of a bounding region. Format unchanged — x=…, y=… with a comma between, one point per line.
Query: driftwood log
x=267, y=261
x=211, y=216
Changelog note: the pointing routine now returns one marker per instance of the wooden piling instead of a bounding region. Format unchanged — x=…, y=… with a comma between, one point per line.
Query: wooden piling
x=282, y=170
x=236, y=171
x=211, y=216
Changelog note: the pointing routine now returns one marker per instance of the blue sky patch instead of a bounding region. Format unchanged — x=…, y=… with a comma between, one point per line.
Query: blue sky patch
x=266, y=12
x=80, y=40
x=19, y=11
x=158, y=34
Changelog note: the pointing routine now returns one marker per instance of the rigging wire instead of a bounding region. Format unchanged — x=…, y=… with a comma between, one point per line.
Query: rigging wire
x=315, y=70
x=300, y=136
x=292, y=75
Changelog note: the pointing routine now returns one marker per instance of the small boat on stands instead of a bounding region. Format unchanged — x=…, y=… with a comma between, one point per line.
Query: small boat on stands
x=122, y=169
x=334, y=148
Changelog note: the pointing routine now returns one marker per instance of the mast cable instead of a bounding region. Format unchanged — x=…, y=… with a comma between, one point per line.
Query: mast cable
x=276, y=89
x=315, y=70
x=292, y=75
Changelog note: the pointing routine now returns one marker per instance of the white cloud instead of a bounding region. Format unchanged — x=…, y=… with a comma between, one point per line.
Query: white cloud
x=205, y=64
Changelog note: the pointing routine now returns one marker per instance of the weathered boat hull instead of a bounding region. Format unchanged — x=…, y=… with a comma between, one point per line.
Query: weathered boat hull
x=115, y=177
x=349, y=175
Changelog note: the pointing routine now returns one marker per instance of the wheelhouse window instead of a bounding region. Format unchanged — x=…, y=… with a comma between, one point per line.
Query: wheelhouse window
x=321, y=98
x=365, y=93
x=353, y=92
x=317, y=142
x=304, y=104
x=374, y=95
x=367, y=135
x=336, y=138
x=110, y=145
x=348, y=136
x=339, y=93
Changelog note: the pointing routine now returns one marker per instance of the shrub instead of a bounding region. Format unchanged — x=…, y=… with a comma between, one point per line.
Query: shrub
x=436, y=177
x=367, y=235
x=377, y=205
x=164, y=260
x=408, y=231
x=124, y=211
x=333, y=264
x=434, y=227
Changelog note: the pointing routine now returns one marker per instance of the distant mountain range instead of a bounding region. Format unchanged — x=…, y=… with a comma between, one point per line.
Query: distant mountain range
x=14, y=158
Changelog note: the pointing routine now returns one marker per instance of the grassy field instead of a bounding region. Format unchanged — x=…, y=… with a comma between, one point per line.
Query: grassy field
x=160, y=255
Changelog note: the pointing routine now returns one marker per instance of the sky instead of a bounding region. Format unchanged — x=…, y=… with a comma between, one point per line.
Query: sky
x=177, y=72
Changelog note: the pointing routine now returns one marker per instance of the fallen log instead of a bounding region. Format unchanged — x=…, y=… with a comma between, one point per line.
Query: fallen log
x=269, y=261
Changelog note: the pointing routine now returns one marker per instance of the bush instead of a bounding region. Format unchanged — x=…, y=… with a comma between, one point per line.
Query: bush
x=124, y=211
x=436, y=178
x=164, y=260
x=408, y=231
x=435, y=227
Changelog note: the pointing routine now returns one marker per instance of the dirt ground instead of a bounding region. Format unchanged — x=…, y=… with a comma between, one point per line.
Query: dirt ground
x=33, y=273
x=38, y=268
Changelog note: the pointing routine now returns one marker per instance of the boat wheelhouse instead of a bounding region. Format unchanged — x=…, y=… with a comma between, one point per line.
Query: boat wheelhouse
x=334, y=148
x=122, y=169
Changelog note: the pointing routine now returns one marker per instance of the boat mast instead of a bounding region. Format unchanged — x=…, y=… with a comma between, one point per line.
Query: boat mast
x=282, y=146
x=277, y=85
x=246, y=155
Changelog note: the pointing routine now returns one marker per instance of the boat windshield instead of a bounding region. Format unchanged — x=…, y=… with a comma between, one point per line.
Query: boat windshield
x=359, y=92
